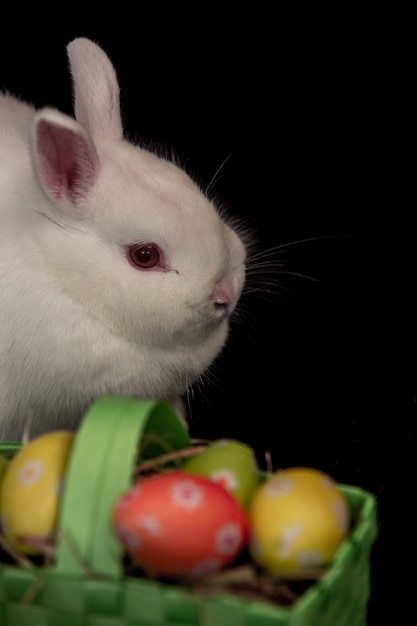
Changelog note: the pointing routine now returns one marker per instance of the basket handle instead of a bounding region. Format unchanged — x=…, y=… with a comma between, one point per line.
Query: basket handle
x=99, y=469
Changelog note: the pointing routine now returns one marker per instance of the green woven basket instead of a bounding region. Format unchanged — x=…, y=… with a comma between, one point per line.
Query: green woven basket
x=99, y=470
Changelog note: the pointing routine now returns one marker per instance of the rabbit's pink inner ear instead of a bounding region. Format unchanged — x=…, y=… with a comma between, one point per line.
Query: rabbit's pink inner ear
x=67, y=161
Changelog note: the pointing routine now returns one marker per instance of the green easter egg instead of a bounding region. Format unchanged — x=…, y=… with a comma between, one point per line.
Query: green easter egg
x=230, y=463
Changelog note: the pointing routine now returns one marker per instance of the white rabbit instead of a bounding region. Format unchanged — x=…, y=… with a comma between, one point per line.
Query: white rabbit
x=118, y=275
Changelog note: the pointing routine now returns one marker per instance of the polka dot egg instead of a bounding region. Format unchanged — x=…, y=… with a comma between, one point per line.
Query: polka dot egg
x=298, y=519
x=31, y=489
x=180, y=525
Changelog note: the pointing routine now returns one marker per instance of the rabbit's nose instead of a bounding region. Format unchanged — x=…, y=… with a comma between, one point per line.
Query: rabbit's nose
x=224, y=294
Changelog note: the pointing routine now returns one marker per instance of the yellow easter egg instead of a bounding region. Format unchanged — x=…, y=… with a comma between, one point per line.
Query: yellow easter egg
x=298, y=518
x=4, y=463
x=31, y=488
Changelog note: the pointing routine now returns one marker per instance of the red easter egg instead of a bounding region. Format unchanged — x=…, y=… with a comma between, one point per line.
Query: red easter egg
x=177, y=524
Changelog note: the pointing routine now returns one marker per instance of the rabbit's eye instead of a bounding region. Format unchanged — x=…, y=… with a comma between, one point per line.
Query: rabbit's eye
x=146, y=256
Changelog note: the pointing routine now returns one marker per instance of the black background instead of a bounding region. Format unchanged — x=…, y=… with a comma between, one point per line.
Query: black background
x=313, y=115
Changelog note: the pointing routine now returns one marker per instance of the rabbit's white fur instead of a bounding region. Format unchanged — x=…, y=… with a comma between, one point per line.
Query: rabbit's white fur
x=77, y=319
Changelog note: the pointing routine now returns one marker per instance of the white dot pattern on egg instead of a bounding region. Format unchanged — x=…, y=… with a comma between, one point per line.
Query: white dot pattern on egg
x=278, y=487
x=186, y=494
x=206, y=567
x=150, y=524
x=226, y=478
x=286, y=541
x=309, y=558
x=30, y=473
x=227, y=539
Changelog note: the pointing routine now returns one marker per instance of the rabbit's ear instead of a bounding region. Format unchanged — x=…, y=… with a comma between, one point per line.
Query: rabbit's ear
x=64, y=157
x=95, y=90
